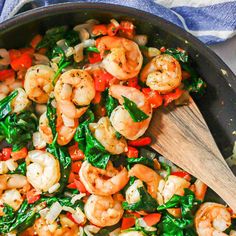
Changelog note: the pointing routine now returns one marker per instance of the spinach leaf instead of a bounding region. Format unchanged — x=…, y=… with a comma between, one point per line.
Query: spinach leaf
x=21, y=169
x=147, y=202
x=51, y=37
x=18, y=129
x=7, y=219
x=63, y=156
x=63, y=66
x=72, y=38
x=177, y=54
x=167, y=168
x=92, y=49
x=141, y=160
x=79, y=136
x=110, y=103
x=103, y=232
x=5, y=104
x=136, y=114
x=51, y=116
x=179, y=226
x=95, y=153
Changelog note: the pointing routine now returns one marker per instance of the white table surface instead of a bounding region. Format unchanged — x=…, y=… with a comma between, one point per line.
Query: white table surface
x=227, y=52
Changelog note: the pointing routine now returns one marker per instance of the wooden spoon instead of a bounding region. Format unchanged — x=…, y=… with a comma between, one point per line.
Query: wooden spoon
x=181, y=135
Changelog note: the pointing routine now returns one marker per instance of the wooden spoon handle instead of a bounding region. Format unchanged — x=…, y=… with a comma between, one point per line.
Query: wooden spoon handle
x=193, y=148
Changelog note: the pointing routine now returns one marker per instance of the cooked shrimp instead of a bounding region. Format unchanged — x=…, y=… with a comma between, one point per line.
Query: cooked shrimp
x=199, y=189
x=106, y=135
x=120, y=117
x=74, y=88
x=38, y=83
x=20, y=102
x=103, y=210
x=174, y=185
x=13, y=198
x=212, y=219
x=103, y=182
x=43, y=170
x=124, y=59
x=147, y=175
x=162, y=73
x=132, y=194
x=62, y=227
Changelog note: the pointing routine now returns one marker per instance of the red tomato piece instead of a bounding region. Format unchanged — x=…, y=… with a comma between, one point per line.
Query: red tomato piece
x=127, y=29
x=36, y=40
x=140, y=142
x=99, y=30
x=182, y=174
x=133, y=83
x=154, y=98
x=132, y=152
x=6, y=153
x=22, y=62
x=32, y=196
x=75, y=153
x=14, y=54
x=112, y=29
x=152, y=219
x=72, y=185
x=22, y=153
x=127, y=222
x=80, y=186
x=94, y=57
x=168, y=98
x=4, y=74
x=97, y=98
x=75, y=167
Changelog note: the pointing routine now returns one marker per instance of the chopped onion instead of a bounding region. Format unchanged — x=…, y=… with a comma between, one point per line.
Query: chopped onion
x=83, y=34
x=142, y=223
x=89, y=43
x=40, y=59
x=38, y=141
x=43, y=213
x=77, y=197
x=79, y=52
x=69, y=209
x=153, y=52
x=5, y=58
x=115, y=232
x=68, y=122
x=115, y=22
x=79, y=216
x=11, y=164
x=3, y=167
x=54, y=212
x=54, y=188
x=141, y=39
x=88, y=229
x=69, y=52
x=81, y=230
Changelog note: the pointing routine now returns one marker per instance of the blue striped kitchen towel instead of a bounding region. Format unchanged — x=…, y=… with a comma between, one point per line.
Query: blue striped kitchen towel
x=212, y=21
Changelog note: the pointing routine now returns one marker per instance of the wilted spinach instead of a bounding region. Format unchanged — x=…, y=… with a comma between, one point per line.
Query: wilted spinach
x=18, y=129
x=51, y=114
x=92, y=49
x=5, y=104
x=136, y=114
x=21, y=169
x=141, y=160
x=110, y=103
x=147, y=202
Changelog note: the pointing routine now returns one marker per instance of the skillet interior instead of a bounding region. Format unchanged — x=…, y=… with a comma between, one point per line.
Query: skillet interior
x=217, y=105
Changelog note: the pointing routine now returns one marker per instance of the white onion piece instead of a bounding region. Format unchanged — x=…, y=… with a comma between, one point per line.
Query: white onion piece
x=83, y=34
x=153, y=52
x=77, y=197
x=141, y=39
x=54, y=188
x=89, y=229
x=89, y=43
x=81, y=230
x=115, y=22
x=54, y=212
x=43, y=213
x=5, y=58
x=40, y=59
x=79, y=52
x=79, y=216
x=69, y=209
x=3, y=167
x=11, y=164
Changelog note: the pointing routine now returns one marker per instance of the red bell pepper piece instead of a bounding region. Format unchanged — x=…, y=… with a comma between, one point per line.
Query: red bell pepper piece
x=154, y=98
x=168, y=98
x=182, y=174
x=97, y=98
x=152, y=219
x=14, y=54
x=4, y=74
x=75, y=167
x=133, y=83
x=99, y=30
x=94, y=57
x=80, y=186
x=112, y=29
x=75, y=153
x=140, y=142
x=132, y=152
x=127, y=222
x=6, y=153
x=22, y=62
x=32, y=196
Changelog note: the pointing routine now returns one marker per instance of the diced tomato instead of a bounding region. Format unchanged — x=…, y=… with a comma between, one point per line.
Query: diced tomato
x=29, y=51
x=97, y=98
x=140, y=142
x=94, y=57
x=132, y=152
x=152, y=219
x=154, y=98
x=168, y=98
x=75, y=153
x=100, y=83
x=133, y=83
x=182, y=174
x=76, y=166
x=32, y=196
x=127, y=222
x=1, y=157
x=22, y=153
x=5, y=74
x=99, y=30
x=80, y=186
x=7, y=153
x=36, y=40
x=22, y=62
x=70, y=217
x=162, y=49
x=72, y=185
x=71, y=177
x=112, y=29
x=14, y=54
x=127, y=29
x=185, y=75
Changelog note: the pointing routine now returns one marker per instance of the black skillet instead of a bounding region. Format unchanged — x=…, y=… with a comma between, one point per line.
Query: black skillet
x=218, y=105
